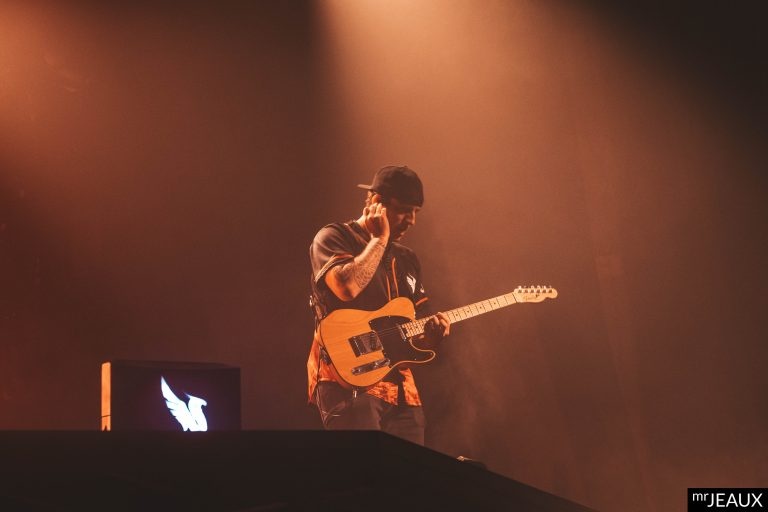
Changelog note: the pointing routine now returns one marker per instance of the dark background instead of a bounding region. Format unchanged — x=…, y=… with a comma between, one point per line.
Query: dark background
x=163, y=170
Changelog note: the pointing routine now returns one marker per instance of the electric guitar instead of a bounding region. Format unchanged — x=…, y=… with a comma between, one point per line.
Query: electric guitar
x=364, y=346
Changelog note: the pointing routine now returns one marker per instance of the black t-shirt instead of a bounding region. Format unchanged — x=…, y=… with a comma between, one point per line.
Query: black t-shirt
x=398, y=273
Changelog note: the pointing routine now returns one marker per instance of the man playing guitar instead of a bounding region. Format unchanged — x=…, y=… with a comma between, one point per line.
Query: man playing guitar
x=361, y=265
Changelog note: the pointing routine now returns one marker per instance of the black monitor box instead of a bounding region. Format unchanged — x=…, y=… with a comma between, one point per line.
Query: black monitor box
x=159, y=395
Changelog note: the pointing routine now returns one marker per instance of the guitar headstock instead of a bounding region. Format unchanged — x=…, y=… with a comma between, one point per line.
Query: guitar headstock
x=534, y=293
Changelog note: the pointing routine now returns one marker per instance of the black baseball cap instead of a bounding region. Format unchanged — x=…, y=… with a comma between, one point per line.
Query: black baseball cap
x=399, y=182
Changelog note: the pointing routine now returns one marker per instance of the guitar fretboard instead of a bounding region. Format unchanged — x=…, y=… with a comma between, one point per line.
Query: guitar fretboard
x=416, y=327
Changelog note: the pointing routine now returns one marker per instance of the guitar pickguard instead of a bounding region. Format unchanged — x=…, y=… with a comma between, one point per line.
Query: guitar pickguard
x=393, y=341
x=387, y=337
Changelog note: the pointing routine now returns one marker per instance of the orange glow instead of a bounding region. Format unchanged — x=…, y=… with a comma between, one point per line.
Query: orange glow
x=106, y=396
x=546, y=134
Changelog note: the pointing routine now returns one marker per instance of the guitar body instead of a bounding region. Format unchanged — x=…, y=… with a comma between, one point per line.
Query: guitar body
x=364, y=346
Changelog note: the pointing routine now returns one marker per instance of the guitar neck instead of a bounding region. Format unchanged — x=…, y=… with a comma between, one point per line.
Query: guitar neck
x=416, y=327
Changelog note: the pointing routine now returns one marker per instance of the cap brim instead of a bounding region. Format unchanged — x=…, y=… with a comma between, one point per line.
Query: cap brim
x=366, y=187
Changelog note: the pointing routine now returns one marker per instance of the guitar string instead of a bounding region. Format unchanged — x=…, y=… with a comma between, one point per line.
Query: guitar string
x=456, y=313
x=421, y=322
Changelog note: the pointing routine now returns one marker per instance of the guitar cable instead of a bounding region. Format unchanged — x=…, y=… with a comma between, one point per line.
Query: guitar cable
x=332, y=412
x=343, y=404
x=318, y=311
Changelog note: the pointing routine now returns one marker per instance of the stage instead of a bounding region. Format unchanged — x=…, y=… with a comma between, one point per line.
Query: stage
x=248, y=470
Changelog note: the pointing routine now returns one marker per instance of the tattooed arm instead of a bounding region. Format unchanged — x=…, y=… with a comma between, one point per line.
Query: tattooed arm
x=348, y=280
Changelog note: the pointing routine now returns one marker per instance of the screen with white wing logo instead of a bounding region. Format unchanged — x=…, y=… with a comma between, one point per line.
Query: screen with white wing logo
x=160, y=395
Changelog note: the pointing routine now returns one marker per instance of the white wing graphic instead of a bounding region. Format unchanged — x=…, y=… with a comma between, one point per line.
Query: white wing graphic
x=189, y=415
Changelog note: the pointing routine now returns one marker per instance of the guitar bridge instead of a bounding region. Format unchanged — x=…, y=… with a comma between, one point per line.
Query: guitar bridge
x=374, y=365
x=365, y=343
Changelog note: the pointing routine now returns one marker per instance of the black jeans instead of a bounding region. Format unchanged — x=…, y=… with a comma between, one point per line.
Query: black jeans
x=340, y=409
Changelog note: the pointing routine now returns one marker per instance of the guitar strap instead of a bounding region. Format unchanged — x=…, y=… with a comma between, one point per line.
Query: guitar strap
x=318, y=310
